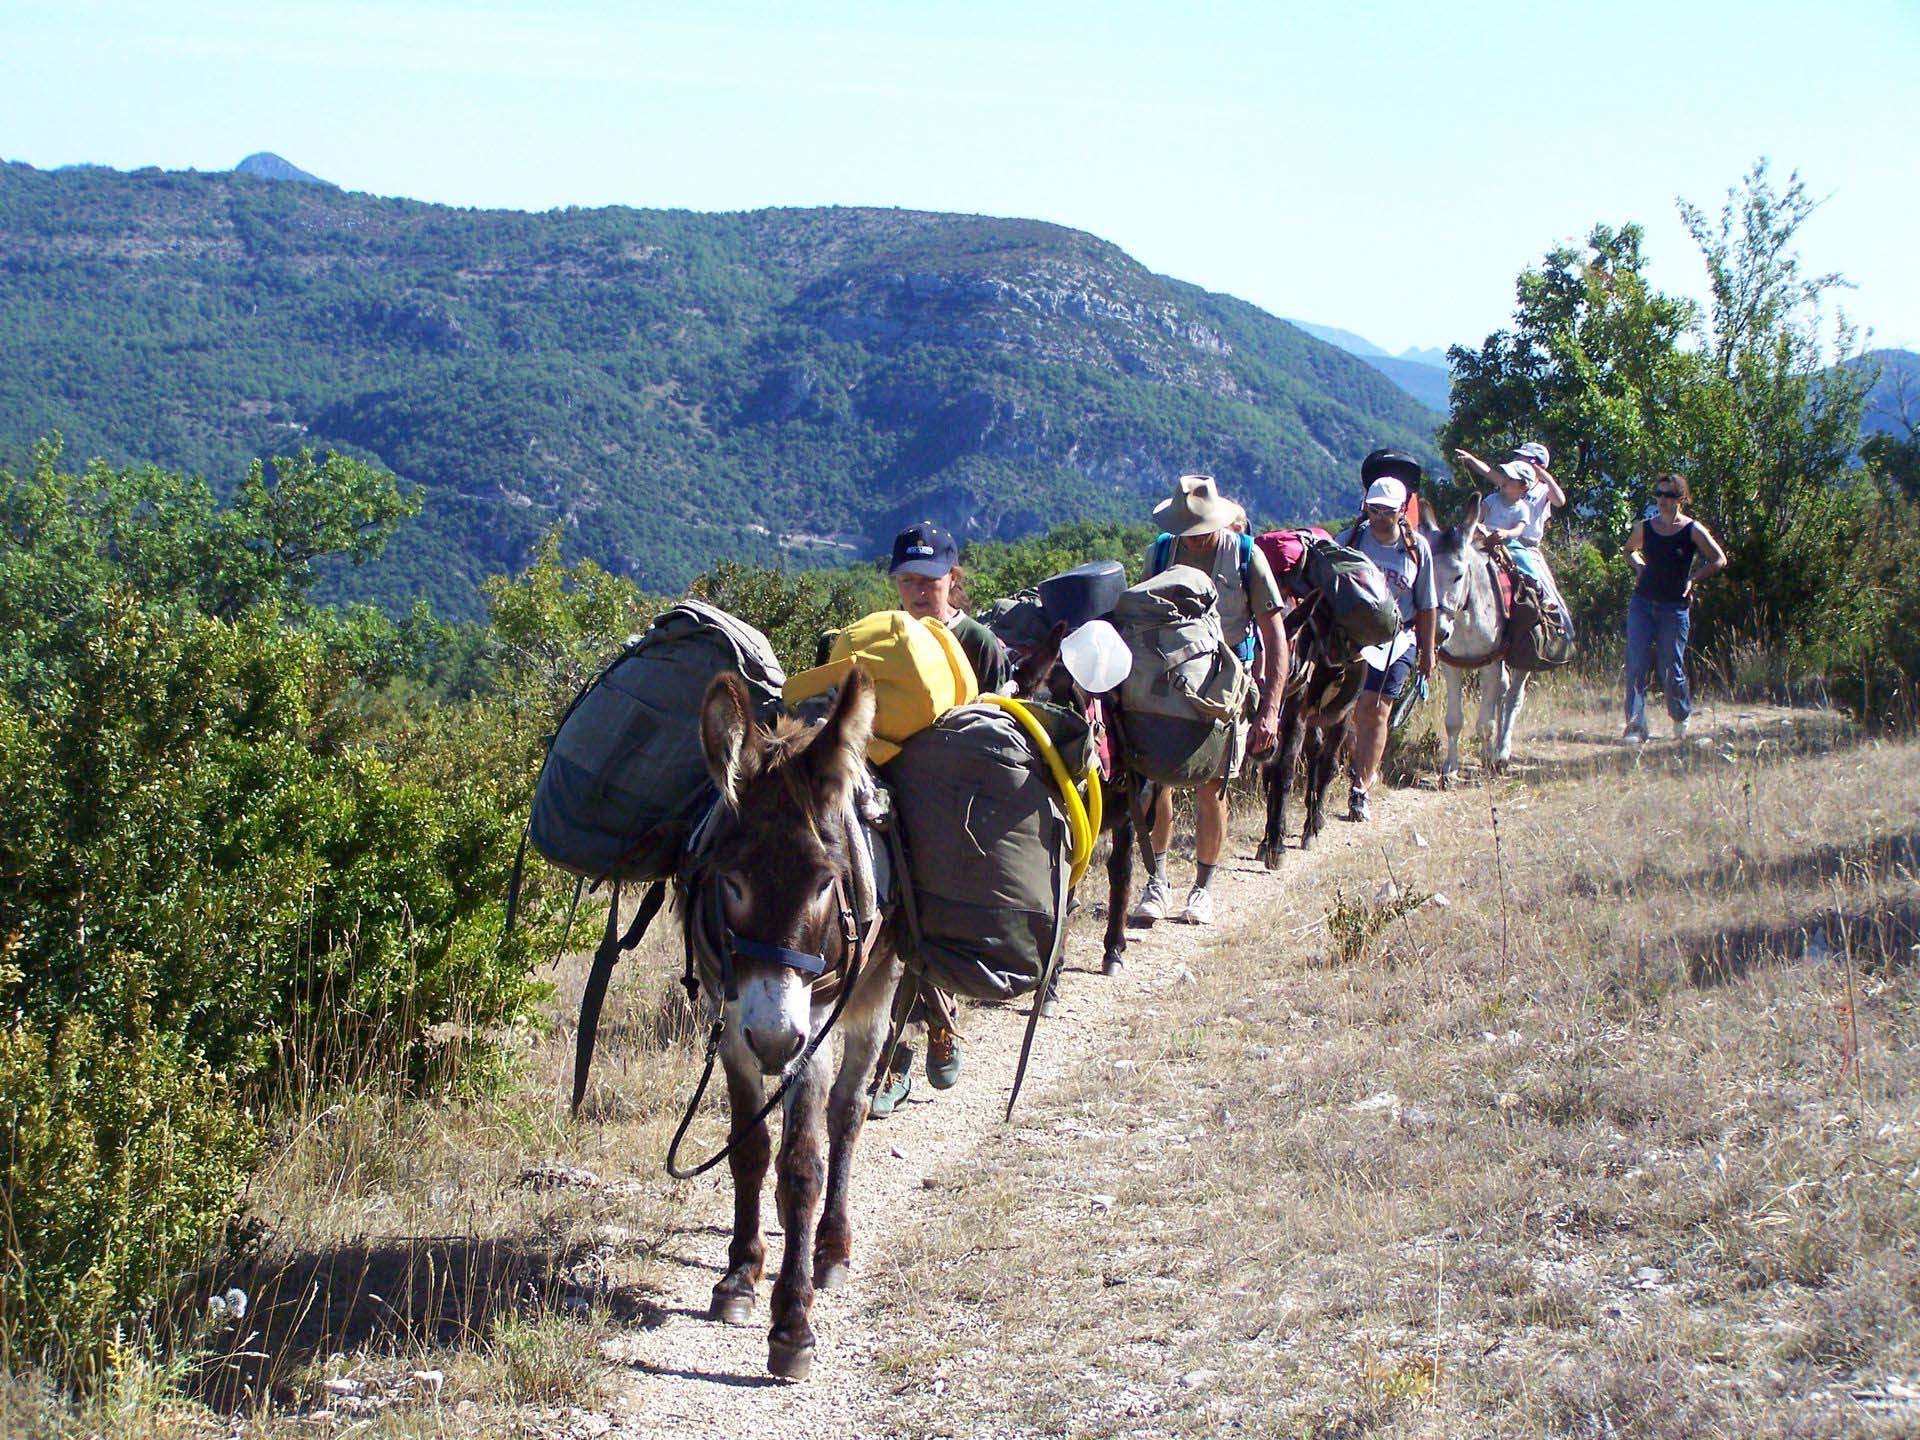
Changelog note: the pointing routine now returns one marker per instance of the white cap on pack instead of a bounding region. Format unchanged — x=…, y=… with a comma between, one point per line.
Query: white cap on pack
x=1387, y=491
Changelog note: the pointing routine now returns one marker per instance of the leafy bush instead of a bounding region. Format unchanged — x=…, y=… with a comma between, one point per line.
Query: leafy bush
x=123, y=1157
x=236, y=870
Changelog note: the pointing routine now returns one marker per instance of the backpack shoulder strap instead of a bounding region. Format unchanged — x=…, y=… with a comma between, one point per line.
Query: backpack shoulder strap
x=1246, y=565
x=1161, y=553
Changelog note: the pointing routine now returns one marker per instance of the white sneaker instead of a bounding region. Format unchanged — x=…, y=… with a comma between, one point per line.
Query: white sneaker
x=1679, y=729
x=1153, y=903
x=1634, y=737
x=1199, y=909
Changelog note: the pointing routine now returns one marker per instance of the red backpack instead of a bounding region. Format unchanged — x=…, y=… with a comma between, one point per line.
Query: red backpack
x=1286, y=552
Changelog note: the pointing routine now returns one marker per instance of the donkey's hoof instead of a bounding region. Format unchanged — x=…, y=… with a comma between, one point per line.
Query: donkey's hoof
x=834, y=1275
x=1049, y=1007
x=1112, y=964
x=789, y=1362
x=1270, y=856
x=731, y=1309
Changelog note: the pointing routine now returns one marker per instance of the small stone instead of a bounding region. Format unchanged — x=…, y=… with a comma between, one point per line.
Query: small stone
x=1385, y=1100
x=1419, y=841
x=896, y=1152
x=429, y=1379
x=1386, y=892
x=341, y=1386
x=1101, y=1203
x=1649, y=1277
x=1194, y=1379
x=554, y=1176
x=1438, y=901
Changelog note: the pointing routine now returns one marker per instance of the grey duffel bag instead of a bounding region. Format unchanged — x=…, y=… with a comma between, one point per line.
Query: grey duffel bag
x=986, y=846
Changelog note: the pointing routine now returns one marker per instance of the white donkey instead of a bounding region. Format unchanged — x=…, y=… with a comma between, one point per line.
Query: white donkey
x=1473, y=620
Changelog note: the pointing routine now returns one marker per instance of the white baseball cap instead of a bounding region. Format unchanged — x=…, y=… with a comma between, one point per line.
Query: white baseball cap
x=1518, y=470
x=1536, y=452
x=1387, y=491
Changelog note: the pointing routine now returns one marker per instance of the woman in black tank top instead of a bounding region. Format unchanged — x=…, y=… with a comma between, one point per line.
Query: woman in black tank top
x=1664, y=550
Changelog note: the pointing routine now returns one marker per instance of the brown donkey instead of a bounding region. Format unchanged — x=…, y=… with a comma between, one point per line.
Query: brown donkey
x=777, y=902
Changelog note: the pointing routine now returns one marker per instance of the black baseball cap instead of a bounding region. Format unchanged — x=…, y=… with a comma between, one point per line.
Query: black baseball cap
x=923, y=549
x=1397, y=464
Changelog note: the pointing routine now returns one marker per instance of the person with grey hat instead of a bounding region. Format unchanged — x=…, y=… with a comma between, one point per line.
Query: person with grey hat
x=1198, y=521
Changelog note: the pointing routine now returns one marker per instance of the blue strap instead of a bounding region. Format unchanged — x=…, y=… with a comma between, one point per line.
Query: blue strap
x=1158, y=556
x=777, y=955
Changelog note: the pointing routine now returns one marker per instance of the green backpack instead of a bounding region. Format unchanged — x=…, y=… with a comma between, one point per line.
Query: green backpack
x=625, y=781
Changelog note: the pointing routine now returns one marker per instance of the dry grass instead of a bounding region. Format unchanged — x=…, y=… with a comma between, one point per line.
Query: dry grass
x=1625, y=1140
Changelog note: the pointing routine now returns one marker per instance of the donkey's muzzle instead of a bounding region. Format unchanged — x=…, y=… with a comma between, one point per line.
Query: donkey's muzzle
x=774, y=1046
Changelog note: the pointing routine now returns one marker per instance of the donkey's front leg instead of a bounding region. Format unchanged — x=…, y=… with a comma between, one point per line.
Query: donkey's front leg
x=1493, y=700
x=1113, y=955
x=1456, y=717
x=800, y=1175
x=846, y=1113
x=1514, y=696
x=747, y=1254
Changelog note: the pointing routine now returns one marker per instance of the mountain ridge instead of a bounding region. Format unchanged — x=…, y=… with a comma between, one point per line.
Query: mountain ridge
x=778, y=385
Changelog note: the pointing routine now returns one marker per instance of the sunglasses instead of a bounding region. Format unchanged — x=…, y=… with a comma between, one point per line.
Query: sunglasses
x=1666, y=494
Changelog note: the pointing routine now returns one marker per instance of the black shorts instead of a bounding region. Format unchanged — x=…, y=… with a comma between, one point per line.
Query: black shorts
x=1388, y=681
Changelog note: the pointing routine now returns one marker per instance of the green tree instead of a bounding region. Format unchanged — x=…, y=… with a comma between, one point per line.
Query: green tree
x=1592, y=366
x=1623, y=382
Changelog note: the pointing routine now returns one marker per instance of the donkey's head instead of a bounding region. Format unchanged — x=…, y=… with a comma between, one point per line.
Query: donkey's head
x=1462, y=577
x=773, y=884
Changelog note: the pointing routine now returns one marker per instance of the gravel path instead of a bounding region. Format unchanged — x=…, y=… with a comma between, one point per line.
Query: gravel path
x=689, y=1376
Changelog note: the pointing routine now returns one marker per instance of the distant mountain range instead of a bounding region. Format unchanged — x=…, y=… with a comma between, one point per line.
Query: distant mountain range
x=1423, y=374
x=1893, y=405
x=780, y=385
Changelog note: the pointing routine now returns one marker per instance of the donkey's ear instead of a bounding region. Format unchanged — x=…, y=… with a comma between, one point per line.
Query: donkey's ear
x=1470, y=519
x=840, y=749
x=726, y=720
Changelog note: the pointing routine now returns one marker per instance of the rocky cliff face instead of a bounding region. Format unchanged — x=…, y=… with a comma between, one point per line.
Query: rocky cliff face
x=671, y=387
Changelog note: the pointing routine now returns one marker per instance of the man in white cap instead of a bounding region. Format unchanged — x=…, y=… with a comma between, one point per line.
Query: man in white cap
x=1199, y=521
x=1384, y=537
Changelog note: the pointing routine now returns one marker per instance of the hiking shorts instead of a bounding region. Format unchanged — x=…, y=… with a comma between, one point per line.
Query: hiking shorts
x=1389, y=680
x=1236, y=757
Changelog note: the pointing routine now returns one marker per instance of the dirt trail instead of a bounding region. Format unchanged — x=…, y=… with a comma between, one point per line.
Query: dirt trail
x=689, y=1376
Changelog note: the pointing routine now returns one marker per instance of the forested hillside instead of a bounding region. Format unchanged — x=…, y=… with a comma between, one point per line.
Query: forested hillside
x=781, y=385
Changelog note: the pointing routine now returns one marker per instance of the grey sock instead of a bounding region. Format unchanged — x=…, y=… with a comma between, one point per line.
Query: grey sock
x=1202, y=876
x=1159, y=871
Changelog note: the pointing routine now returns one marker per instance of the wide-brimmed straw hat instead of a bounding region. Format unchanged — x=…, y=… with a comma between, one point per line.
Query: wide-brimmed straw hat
x=1195, y=507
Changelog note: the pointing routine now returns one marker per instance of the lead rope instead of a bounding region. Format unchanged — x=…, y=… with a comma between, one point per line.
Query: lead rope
x=856, y=949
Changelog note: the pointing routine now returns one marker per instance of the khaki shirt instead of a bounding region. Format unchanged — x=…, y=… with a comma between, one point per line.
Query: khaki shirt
x=1240, y=605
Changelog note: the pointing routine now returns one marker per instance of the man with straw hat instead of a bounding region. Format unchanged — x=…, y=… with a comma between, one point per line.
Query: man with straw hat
x=1198, y=521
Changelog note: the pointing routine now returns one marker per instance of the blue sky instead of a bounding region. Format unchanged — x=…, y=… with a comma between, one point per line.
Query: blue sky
x=1388, y=167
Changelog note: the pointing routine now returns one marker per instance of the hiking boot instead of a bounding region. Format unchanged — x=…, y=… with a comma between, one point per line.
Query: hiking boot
x=1680, y=729
x=891, y=1095
x=1153, y=903
x=1357, y=807
x=1199, y=909
x=943, y=1057
x=895, y=1086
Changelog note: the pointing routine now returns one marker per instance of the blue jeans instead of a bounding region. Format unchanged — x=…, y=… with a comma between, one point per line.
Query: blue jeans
x=1657, y=635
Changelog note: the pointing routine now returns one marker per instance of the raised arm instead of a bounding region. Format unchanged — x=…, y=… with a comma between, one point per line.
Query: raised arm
x=1555, y=494
x=1474, y=463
